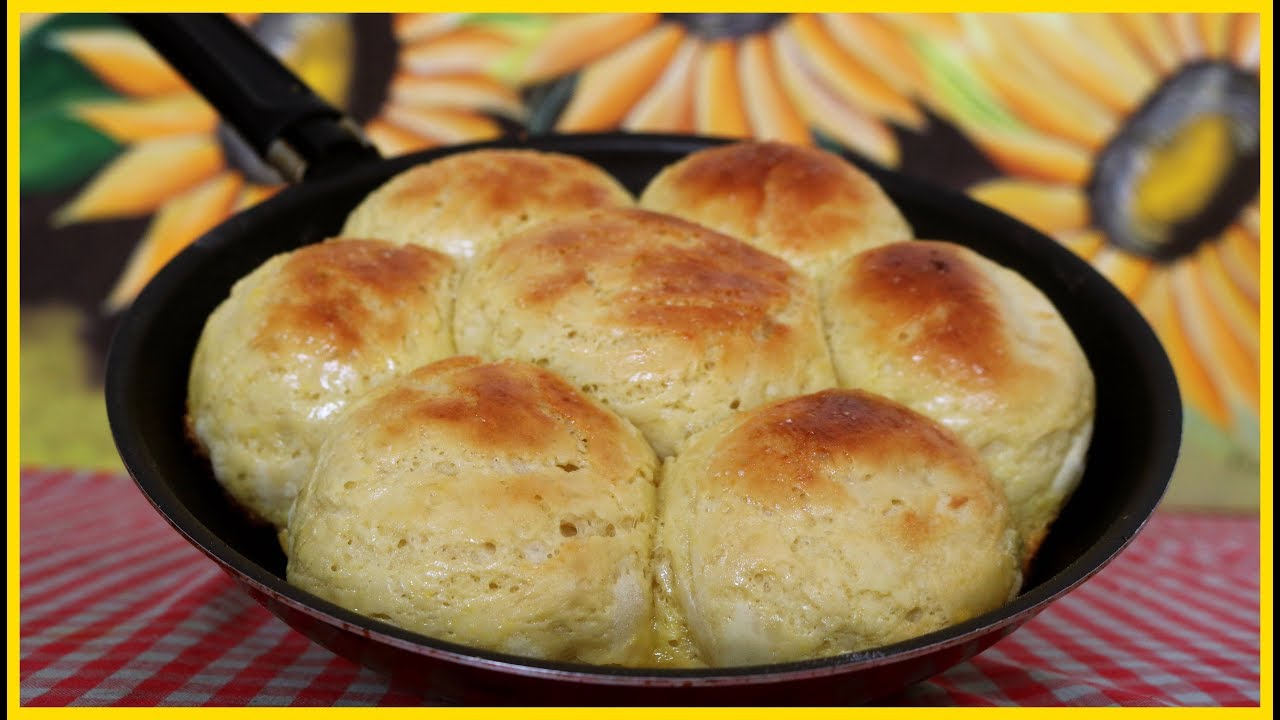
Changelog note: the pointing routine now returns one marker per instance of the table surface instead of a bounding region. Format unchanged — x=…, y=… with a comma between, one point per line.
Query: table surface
x=118, y=609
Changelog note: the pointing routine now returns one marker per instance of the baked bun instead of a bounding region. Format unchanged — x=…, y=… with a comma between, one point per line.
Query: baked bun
x=803, y=204
x=298, y=338
x=488, y=504
x=671, y=324
x=462, y=204
x=824, y=524
x=976, y=347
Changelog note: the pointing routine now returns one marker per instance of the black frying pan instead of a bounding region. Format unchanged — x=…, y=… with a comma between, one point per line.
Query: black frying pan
x=1135, y=443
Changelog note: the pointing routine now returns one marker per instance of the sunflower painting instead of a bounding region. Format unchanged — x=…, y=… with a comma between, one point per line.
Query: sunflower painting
x=796, y=78
x=1132, y=139
x=123, y=165
x=190, y=171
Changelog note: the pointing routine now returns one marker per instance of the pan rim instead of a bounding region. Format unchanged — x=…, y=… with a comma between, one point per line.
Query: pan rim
x=147, y=474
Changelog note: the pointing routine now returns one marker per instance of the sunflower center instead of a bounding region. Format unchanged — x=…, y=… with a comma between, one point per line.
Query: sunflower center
x=1183, y=166
x=1181, y=174
x=714, y=26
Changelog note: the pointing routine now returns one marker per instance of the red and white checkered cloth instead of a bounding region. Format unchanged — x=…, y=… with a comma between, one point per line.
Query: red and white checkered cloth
x=117, y=609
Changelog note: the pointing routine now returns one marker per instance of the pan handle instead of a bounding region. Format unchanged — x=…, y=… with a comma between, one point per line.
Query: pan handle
x=282, y=119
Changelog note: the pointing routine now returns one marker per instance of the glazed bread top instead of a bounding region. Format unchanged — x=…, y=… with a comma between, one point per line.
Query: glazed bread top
x=828, y=523
x=462, y=204
x=671, y=324
x=491, y=504
x=298, y=339
x=975, y=346
x=808, y=206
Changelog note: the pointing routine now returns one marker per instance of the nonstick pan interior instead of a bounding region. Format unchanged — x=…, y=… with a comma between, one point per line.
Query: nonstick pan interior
x=1135, y=443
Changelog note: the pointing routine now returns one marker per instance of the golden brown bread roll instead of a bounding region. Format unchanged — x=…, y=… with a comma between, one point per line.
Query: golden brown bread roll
x=672, y=325
x=298, y=338
x=825, y=524
x=487, y=504
x=803, y=204
x=461, y=204
x=975, y=346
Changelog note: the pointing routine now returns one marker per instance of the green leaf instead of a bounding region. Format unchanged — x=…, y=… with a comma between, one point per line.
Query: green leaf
x=547, y=101
x=57, y=151
x=523, y=27
x=828, y=143
x=49, y=75
x=963, y=92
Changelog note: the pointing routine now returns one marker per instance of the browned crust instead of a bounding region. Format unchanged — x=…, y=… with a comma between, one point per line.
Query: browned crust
x=803, y=450
x=503, y=407
x=328, y=295
x=504, y=182
x=805, y=199
x=931, y=302
x=680, y=278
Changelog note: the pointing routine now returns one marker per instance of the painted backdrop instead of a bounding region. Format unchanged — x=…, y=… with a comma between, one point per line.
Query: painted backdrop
x=1131, y=139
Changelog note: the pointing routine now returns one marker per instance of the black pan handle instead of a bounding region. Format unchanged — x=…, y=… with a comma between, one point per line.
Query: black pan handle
x=282, y=119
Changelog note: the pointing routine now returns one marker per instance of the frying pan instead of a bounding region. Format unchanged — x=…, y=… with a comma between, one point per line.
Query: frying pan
x=1134, y=447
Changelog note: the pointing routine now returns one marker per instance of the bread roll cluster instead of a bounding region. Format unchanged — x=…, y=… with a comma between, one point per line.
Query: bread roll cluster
x=745, y=419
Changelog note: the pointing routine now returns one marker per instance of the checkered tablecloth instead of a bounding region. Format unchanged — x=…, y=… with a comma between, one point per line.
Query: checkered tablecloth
x=117, y=609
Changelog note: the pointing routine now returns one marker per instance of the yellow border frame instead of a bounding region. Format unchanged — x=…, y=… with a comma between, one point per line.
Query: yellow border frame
x=1266, y=11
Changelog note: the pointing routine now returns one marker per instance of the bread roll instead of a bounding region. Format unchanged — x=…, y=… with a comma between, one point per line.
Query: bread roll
x=461, y=204
x=672, y=325
x=298, y=338
x=978, y=348
x=824, y=524
x=492, y=505
x=803, y=204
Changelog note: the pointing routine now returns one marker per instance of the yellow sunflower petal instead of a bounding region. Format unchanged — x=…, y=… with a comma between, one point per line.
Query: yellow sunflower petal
x=1229, y=364
x=1185, y=34
x=668, y=106
x=1150, y=35
x=446, y=125
x=30, y=21
x=1033, y=155
x=411, y=27
x=771, y=111
x=1215, y=32
x=251, y=195
x=848, y=125
x=1194, y=383
x=127, y=121
x=1086, y=243
x=460, y=90
x=144, y=177
x=1126, y=271
x=1032, y=89
x=878, y=46
x=1048, y=208
x=1238, y=251
x=460, y=50
x=859, y=86
x=608, y=89
x=1249, y=219
x=392, y=140
x=122, y=60
x=1238, y=311
x=575, y=41
x=1092, y=53
x=718, y=104
x=943, y=26
x=182, y=220
x=1245, y=36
